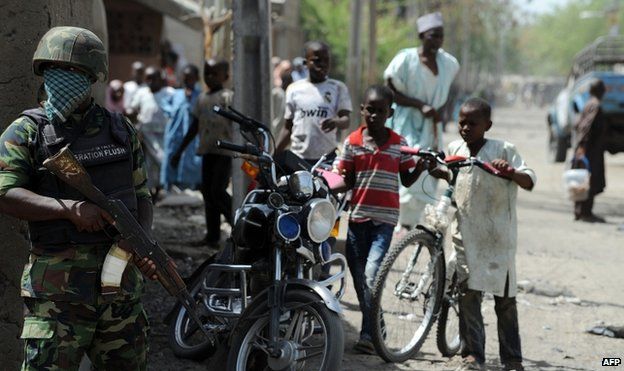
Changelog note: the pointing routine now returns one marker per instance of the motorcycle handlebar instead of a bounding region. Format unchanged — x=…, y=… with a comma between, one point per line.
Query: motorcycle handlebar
x=228, y=115
x=239, y=118
x=248, y=149
x=249, y=120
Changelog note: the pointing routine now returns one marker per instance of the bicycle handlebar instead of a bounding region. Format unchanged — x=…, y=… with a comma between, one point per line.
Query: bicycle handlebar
x=489, y=168
x=453, y=161
x=437, y=156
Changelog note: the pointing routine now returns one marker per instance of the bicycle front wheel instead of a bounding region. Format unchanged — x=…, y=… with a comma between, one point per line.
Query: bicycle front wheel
x=447, y=337
x=406, y=296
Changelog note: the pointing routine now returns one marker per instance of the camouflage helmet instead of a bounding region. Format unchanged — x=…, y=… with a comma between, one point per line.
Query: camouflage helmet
x=72, y=46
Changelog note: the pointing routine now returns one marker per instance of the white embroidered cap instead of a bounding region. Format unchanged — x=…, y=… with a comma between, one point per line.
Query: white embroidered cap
x=429, y=21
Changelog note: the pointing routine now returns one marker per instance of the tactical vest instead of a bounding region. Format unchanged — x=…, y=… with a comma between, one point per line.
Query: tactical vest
x=106, y=156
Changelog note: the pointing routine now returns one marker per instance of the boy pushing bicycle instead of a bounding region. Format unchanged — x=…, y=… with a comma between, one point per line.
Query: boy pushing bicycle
x=485, y=236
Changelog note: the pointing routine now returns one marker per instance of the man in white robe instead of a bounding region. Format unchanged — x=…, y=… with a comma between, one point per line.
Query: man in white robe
x=421, y=79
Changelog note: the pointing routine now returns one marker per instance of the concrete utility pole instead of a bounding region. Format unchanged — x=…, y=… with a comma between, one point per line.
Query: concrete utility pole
x=354, y=63
x=465, y=47
x=372, y=41
x=22, y=24
x=251, y=72
x=286, y=29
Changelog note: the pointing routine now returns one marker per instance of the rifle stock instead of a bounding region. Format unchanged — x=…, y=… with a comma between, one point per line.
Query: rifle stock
x=67, y=168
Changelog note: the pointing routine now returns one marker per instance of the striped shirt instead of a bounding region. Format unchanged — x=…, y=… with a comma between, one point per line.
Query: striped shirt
x=376, y=173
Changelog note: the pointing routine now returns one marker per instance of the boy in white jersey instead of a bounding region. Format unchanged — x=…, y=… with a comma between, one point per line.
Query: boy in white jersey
x=315, y=108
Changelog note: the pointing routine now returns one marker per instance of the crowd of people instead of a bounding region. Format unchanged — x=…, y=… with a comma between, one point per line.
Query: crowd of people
x=178, y=131
x=161, y=114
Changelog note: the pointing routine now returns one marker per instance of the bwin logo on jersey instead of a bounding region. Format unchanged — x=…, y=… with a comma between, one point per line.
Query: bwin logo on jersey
x=321, y=112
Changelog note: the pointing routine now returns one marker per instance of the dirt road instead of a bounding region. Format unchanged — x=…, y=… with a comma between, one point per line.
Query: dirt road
x=573, y=270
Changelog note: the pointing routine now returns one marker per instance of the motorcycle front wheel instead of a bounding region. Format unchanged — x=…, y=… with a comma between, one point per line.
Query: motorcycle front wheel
x=311, y=337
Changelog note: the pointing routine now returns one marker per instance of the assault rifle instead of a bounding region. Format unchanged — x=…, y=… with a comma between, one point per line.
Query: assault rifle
x=67, y=168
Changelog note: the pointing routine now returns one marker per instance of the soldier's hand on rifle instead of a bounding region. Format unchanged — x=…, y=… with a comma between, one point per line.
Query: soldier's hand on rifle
x=145, y=265
x=88, y=217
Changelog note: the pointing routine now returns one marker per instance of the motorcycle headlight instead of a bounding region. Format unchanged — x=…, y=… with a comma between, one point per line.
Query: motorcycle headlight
x=319, y=219
x=301, y=184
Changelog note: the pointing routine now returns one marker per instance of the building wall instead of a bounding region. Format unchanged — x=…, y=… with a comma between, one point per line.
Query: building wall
x=22, y=23
x=134, y=34
x=185, y=41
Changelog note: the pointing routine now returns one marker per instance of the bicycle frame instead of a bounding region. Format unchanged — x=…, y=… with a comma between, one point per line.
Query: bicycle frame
x=436, y=219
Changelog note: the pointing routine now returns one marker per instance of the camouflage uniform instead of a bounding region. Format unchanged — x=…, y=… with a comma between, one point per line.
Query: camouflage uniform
x=66, y=316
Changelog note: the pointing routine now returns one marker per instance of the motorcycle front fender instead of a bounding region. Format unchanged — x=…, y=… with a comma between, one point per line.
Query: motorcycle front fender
x=330, y=300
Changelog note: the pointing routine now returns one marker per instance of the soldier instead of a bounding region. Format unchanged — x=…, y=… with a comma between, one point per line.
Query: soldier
x=67, y=314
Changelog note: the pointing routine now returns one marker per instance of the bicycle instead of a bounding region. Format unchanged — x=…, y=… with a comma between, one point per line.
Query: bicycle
x=410, y=290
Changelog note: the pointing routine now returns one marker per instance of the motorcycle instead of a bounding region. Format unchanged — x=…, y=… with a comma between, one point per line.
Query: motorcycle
x=269, y=297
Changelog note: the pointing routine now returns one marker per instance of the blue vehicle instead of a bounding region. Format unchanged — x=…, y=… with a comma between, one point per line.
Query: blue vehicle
x=603, y=59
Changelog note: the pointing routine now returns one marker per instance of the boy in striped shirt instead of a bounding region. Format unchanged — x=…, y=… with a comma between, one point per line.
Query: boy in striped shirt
x=372, y=164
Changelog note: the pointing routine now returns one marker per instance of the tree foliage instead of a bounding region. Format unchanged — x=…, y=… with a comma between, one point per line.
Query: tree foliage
x=488, y=37
x=474, y=29
x=328, y=21
x=549, y=43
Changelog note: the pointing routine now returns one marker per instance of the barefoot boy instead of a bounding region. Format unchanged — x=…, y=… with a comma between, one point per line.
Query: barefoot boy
x=485, y=236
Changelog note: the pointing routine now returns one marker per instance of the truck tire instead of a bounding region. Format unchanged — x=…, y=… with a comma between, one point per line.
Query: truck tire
x=557, y=147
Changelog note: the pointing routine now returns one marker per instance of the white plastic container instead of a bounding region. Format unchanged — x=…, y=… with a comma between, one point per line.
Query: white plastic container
x=576, y=184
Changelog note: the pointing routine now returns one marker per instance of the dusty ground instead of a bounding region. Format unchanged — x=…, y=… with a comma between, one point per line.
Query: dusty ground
x=575, y=269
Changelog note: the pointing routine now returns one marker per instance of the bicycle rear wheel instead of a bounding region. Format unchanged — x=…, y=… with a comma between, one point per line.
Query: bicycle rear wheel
x=406, y=296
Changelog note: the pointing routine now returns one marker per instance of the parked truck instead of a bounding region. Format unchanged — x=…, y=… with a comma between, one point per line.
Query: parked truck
x=603, y=59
